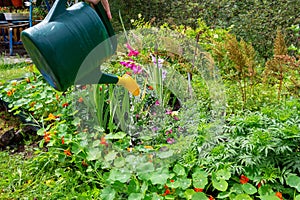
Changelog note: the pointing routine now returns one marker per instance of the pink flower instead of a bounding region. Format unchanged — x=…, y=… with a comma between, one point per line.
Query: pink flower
x=169, y=132
x=132, y=52
x=170, y=140
x=168, y=112
x=157, y=103
x=136, y=69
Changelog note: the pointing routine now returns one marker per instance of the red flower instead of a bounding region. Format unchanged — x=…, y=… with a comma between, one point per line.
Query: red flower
x=65, y=105
x=67, y=152
x=244, y=179
x=166, y=192
x=259, y=185
x=62, y=140
x=279, y=195
x=172, y=181
x=47, y=137
x=211, y=197
x=103, y=141
x=198, y=189
x=150, y=87
x=80, y=100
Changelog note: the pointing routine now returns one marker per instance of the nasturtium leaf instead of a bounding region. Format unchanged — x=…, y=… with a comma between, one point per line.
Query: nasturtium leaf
x=114, y=136
x=159, y=178
x=110, y=156
x=242, y=197
x=93, y=154
x=108, y=193
x=189, y=193
x=223, y=174
x=249, y=189
x=297, y=197
x=199, y=196
x=237, y=188
x=265, y=190
x=122, y=175
x=119, y=162
x=199, y=179
x=294, y=181
x=133, y=186
x=223, y=195
x=145, y=168
x=135, y=196
x=220, y=185
x=184, y=183
x=179, y=170
x=269, y=197
x=165, y=154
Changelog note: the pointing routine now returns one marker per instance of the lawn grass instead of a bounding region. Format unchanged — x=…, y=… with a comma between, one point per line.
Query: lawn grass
x=14, y=67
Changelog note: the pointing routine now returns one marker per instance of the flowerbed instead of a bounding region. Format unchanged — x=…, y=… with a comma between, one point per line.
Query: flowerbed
x=166, y=144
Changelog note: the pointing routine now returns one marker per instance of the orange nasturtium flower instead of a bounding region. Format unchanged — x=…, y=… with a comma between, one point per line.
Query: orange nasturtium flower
x=67, y=152
x=47, y=137
x=103, y=141
x=279, y=195
x=51, y=117
x=198, y=189
x=80, y=100
x=9, y=93
x=244, y=179
x=62, y=140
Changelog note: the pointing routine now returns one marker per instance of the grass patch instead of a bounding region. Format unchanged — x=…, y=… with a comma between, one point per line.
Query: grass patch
x=13, y=68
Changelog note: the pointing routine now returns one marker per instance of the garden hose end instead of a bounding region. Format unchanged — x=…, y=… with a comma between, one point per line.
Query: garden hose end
x=130, y=84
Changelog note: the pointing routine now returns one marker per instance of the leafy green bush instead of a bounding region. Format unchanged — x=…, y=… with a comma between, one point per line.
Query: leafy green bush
x=254, y=21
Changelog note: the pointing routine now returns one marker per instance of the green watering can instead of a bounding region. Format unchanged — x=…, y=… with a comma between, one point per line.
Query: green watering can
x=70, y=44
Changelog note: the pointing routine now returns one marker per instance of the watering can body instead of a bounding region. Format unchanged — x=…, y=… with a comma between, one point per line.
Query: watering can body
x=60, y=45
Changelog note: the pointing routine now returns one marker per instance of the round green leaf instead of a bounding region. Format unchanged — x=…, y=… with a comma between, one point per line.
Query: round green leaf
x=242, y=197
x=122, y=175
x=294, y=181
x=135, y=196
x=108, y=194
x=220, y=185
x=249, y=189
x=189, y=193
x=223, y=174
x=179, y=170
x=199, y=196
x=199, y=179
x=297, y=197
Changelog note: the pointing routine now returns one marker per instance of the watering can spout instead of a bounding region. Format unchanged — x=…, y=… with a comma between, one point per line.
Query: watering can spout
x=130, y=84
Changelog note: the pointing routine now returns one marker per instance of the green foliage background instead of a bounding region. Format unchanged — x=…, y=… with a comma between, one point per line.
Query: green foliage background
x=255, y=21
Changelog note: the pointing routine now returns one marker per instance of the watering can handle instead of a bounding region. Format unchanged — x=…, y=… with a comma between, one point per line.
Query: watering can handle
x=57, y=9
